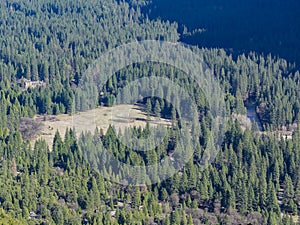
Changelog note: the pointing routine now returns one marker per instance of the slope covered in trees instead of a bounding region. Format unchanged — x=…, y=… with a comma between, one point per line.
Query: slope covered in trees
x=263, y=26
x=254, y=180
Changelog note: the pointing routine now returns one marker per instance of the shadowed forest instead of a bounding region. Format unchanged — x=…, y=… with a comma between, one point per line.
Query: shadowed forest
x=263, y=26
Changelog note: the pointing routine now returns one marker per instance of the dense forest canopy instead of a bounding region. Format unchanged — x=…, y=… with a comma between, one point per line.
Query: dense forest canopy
x=255, y=178
x=263, y=26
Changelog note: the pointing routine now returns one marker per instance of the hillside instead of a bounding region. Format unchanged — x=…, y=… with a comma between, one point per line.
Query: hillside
x=170, y=165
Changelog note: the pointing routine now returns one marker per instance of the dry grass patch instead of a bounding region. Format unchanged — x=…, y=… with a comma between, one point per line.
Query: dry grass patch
x=120, y=116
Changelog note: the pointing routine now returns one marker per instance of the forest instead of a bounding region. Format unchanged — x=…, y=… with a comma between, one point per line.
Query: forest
x=263, y=26
x=255, y=178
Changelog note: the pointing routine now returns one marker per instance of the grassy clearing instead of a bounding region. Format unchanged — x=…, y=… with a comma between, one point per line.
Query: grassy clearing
x=120, y=116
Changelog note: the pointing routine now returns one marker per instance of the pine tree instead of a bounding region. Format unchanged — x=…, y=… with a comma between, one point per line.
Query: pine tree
x=175, y=218
x=190, y=220
x=272, y=219
x=157, y=109
x=148, y=107
x=272, y=201
x=289, y=194
x=137, y=198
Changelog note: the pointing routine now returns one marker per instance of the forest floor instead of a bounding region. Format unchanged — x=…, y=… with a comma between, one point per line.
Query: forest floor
x=120, y=116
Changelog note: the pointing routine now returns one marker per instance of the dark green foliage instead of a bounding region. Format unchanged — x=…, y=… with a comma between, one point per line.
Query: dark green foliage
x=254, y=178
